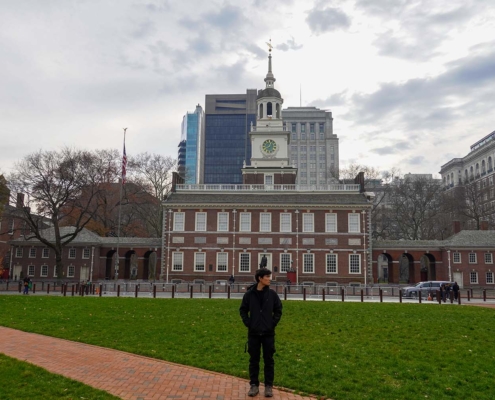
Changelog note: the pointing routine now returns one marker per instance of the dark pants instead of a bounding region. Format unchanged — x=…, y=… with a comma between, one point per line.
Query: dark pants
x=255, y=343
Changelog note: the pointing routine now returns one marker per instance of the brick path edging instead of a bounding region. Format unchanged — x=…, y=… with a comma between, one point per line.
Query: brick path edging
x=126, y=375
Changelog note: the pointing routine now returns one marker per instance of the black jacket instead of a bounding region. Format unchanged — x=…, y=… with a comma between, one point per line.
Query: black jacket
x=261, y=318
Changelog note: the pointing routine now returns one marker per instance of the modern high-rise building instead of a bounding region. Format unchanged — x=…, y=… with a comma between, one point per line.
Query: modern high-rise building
x=191, y=146
x=314, y=149
x=228, y=118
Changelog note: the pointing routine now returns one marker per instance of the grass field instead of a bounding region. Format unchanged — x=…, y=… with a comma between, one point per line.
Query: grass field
x=332, y=349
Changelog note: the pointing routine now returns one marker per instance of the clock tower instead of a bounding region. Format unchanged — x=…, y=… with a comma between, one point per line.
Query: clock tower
x=269, y=141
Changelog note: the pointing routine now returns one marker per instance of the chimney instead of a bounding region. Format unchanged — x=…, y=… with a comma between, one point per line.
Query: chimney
x=484, y=225
x=20, y=200
x=456, y=226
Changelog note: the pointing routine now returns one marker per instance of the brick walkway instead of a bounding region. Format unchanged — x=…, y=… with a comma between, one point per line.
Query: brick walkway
x=125, y=375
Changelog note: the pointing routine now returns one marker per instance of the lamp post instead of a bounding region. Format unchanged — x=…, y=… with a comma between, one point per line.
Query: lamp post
x=234, y=212
x=297, y=246
x=450, y=272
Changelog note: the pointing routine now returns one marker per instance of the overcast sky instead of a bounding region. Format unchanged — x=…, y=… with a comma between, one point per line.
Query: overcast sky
x=411, y=84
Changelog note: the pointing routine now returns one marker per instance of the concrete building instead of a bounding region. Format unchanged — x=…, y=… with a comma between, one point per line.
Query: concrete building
x=228, y=118
x=314, y=148
x=474, y=175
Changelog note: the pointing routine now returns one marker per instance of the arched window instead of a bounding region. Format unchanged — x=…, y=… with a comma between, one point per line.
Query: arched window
x=490, y=164
x=452, y=178
x=260, y=113
x=269, y=111
x=466, y=174
x=483, y=169
x=277, y=107
x=477, y=169
x=471, y=173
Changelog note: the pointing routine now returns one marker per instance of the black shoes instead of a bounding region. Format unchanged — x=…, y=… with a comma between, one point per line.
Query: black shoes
x=253, y=391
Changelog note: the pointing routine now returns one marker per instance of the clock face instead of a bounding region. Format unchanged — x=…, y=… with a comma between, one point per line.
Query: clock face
x=269, y=146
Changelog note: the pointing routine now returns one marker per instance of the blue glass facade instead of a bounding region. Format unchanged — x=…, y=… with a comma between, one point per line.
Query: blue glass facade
x=227, y=146
x=192, y=136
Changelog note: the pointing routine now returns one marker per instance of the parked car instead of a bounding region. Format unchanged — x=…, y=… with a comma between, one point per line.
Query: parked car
x=425, y=288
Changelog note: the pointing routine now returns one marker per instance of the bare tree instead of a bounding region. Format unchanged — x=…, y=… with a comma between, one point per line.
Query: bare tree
x=152, y=173
x=57, y=184
x=470, y=203
x=415, y=209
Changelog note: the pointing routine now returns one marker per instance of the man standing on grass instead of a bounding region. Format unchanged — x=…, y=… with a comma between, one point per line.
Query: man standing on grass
x=261, y=310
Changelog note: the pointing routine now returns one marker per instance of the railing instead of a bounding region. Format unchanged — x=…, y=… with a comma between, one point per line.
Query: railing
x=381, y=293
x=271, y=188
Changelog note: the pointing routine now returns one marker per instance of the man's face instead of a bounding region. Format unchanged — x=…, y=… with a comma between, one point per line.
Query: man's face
x=265, y=280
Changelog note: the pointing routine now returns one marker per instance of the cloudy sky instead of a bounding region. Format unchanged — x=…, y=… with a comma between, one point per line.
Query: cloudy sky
x=410, y=83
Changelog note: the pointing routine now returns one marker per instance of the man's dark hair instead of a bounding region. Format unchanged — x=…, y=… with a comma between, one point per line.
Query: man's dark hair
x=260, y=273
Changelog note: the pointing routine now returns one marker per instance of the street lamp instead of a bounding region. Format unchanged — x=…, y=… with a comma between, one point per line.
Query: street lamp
x=450, y=273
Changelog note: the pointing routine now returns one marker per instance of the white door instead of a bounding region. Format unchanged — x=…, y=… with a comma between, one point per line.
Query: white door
x=458, y=279
x=84, y=273
x=16, y=272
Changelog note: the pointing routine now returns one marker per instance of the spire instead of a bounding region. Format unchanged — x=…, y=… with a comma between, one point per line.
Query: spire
x=270, y=79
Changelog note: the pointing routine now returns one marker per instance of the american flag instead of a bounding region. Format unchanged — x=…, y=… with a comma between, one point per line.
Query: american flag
x=124, y=166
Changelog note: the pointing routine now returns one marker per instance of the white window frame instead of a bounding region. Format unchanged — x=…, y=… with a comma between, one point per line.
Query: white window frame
x=330, y=260
x=308, y=263
x=200, y=223
x=222, y=221
x=32, y=252
x=456, y=257
x=330, y=226
x=245, y=222
x=86, y=253
x=71, y=271
x=354, y=226
x=269, y=178
x=472, y=257
x=308, y=222
x=179, y=221
x=222, y=265
x=199, y=257
x=55, y=272
x=18, y=252
x=488, y=258
x=11, y=227
x=265, y=222
x=243, y=262
x=489, y=278
x=72, y=253
x=352, y=264
x=44, y=271
x=285, y=222
x=45, y=253
x=177, y=261
x=473, y=277
x=285, y=262
x=30, y=270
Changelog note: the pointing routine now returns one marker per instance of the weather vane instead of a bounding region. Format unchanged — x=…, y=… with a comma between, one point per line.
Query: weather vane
x=270, y=47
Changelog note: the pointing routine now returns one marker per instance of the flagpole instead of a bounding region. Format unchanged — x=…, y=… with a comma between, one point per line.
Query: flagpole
x=124, y=172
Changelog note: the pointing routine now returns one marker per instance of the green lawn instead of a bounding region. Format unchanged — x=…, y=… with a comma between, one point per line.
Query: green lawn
x=333, y=349
x=20, y=380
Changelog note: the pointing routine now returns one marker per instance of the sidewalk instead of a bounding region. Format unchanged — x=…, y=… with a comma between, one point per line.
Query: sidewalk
x=126, y=375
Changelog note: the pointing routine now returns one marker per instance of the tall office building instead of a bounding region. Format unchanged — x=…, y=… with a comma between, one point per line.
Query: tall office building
x=191, y=146
x=228, y=118
x=314, y=149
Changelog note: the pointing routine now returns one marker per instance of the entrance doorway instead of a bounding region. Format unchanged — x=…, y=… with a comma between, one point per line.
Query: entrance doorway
x=268, y=260
x=458, y=279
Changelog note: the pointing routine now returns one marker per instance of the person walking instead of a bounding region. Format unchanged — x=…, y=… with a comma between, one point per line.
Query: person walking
x=261, y=310
x=455, y=289
x=27, y=283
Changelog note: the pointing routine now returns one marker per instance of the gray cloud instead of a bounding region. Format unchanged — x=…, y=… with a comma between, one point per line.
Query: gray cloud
x=417, y=160
x=392, y=149
x=322, y=20
x=335, y=100
x=289, y=45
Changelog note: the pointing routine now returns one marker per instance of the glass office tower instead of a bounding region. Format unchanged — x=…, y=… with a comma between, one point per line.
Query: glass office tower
x=228, y=119
x=191, y=146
